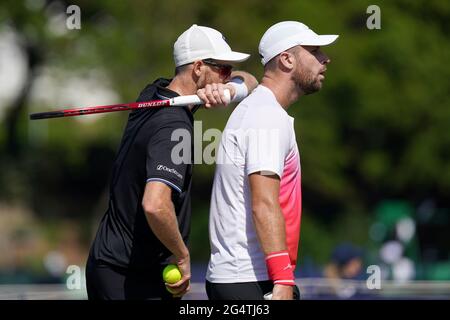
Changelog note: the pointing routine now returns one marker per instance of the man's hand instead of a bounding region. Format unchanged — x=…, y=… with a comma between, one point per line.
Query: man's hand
x=213, y=94
x=282, y=292
x=181, y=287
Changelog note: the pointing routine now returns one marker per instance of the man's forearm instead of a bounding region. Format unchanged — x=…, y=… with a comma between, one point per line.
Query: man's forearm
x=249, y=80
x=270, y=227
x=164, y=225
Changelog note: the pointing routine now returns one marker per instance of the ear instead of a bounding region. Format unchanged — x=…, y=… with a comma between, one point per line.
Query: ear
x=197, y=68
x=287, y=60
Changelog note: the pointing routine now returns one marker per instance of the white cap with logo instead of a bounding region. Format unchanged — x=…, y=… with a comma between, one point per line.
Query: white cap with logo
x=199, y=43
x=287, y=34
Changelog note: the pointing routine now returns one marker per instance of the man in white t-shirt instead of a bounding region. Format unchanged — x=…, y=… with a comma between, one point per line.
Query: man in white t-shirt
x=256, y=199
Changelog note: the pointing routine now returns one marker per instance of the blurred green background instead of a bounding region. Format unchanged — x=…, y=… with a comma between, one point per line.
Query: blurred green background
x=374, y=143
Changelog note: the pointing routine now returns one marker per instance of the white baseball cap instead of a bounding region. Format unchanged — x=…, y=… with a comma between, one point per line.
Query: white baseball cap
x=198, y=43
x=287, y=34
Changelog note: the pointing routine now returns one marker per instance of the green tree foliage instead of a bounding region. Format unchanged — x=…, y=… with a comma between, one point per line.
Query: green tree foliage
x=378, y=129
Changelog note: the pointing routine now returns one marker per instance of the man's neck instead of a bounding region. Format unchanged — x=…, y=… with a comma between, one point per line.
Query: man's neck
x=183, y=87
x=285, y=91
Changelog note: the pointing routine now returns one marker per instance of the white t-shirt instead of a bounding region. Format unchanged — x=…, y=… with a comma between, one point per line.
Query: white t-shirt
x=259, y=136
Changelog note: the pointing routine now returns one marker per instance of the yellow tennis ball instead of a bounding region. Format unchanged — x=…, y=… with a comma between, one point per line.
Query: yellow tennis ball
x=171, y=274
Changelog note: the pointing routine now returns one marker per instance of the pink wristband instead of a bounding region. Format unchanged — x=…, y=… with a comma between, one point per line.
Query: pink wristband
x=279, y=268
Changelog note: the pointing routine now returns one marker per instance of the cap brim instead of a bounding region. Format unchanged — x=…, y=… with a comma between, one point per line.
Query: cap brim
x=320, y=40
x=232, y=56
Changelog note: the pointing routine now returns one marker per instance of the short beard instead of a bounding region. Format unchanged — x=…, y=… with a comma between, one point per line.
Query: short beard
x=308, y=84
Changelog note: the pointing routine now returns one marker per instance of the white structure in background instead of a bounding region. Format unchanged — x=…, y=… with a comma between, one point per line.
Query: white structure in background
x=13, y=68
x=54, y=87
x=405, y=229
x=391, y=252
x=59, y=89
x=55, y=263
x=401, y=268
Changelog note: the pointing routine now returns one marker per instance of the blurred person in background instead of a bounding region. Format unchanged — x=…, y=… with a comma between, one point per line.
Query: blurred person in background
x=346, y=264
x=146, y=225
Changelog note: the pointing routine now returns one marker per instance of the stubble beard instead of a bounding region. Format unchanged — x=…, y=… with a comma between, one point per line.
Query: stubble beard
x=308, y=83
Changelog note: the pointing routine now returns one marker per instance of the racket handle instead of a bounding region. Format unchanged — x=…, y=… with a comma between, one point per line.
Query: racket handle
x=185, y=100
x=194, y=99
